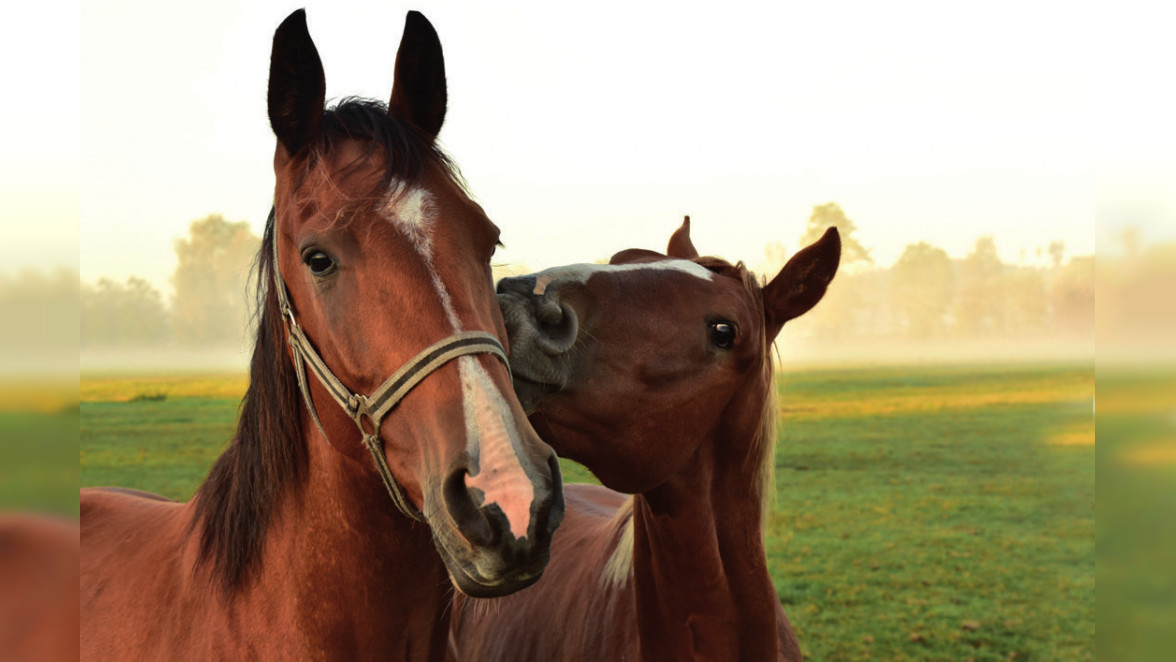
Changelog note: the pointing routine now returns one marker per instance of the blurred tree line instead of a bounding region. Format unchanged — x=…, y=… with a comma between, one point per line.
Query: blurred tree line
x=209, y=304
x=925, y=294
x=39, y=311
x=928, y=294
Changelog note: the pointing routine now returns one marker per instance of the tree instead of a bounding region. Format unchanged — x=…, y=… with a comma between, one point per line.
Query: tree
x=1057, y=252
x=40, y=312
x=830, y=214
x=210, y=301
x=122, y=315
x=1026, y=307
x=980, y=302
x=1072, y=297
x=922, y=286
x=775, y=257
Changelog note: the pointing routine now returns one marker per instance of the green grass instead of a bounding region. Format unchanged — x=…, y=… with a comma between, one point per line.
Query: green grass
x=1136, y=529
x=38, y=465
x=921, y=513
x=946, y=514
x=162, y=446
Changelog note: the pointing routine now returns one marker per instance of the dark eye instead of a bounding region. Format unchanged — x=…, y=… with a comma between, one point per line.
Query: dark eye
x=320, y=263
x=722, y=334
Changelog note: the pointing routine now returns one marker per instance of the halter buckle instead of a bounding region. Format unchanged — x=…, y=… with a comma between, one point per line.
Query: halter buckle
x=357, y=407
x=288, y=313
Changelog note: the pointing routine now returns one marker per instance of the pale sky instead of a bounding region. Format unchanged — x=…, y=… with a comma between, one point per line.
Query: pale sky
x=586, y=129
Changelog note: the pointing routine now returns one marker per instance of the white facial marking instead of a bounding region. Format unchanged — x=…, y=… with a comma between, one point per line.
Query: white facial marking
x=492, y=438
x=580, y=273
x=415, y=207
x=413, y=211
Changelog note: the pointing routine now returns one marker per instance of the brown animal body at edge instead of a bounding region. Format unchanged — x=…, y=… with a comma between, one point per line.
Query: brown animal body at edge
x=655, y=373
x=38, y=587
x=381, y=457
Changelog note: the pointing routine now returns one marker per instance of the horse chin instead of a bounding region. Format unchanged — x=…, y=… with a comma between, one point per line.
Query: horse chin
x=486, y=571
x=475, y=589
x=467, y=578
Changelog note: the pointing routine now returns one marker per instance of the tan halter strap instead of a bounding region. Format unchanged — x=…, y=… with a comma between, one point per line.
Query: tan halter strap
x=368, y=411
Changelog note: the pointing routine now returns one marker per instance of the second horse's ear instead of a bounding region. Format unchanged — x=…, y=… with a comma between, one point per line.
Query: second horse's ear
x=419, y=94
x=802, y=282
x=680, y=244
x=297, y=86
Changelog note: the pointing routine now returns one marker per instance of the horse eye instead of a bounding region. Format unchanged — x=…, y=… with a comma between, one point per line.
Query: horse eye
x=319, y=262
x=722, y=334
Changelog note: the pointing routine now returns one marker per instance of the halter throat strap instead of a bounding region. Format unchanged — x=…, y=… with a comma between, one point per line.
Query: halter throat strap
x=369, y=411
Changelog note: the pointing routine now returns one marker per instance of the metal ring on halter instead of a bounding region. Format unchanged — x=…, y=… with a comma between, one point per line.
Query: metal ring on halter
x=372, y=408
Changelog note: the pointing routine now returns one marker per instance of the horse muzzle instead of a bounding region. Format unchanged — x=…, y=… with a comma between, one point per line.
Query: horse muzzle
x=483, y=550
x=543, y=332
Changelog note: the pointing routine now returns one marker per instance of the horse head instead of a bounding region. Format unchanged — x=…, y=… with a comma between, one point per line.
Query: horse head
x=626, y=367
x=379, y=256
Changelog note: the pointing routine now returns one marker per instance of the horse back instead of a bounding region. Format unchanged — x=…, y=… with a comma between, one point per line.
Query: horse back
x=133, y=562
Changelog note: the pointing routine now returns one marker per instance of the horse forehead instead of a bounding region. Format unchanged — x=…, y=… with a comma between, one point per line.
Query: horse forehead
x=581, y=273
x=414, y=208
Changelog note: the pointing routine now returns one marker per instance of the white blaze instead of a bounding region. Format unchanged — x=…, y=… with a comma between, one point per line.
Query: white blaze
x=491, y=433
x=580, y=273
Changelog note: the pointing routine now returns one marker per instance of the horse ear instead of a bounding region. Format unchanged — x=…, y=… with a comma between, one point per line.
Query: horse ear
x=802, y=282
x=297, y=86
x=680, y=244
x=418, y=92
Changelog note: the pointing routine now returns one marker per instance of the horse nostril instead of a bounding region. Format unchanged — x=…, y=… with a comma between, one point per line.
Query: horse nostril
x=466, y=514
x=556, y=506
x=558, y=325
x=548, y=310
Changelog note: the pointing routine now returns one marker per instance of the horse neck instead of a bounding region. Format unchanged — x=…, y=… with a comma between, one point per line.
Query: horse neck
x=705, y=524
x=360, y=570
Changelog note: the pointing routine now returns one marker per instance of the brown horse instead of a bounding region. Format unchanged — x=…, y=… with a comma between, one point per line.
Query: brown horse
x=374, y=274
x=655, y=373
x=38, y=588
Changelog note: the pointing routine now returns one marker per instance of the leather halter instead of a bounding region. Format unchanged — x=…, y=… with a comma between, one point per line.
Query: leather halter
x=368, y=411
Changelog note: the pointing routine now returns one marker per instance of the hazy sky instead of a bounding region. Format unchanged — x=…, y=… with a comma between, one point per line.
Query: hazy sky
x=583, y=130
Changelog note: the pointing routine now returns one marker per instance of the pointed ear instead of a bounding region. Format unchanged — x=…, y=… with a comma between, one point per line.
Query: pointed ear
x=802, y=282
x=680, y=244
x=297, y=86
x=418, y=93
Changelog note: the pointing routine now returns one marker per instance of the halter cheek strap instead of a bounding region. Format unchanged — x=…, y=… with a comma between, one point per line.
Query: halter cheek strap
x=368, y=411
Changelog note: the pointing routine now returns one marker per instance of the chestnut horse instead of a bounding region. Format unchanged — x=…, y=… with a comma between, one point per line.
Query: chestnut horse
x=38, y=587
x=378, y=372
x=655, y=373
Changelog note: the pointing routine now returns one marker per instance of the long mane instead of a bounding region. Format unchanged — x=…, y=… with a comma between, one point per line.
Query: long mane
x=267, y=458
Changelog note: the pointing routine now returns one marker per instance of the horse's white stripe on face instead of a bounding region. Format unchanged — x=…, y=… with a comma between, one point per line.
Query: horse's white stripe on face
x=412, y=210
x=492, y=438
x=415, y=207
x=580, y=273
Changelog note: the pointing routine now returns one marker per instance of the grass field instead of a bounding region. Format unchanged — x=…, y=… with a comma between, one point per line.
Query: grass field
x=921, y=513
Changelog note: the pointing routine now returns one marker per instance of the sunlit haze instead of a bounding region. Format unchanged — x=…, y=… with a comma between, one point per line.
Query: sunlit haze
x=583, y=131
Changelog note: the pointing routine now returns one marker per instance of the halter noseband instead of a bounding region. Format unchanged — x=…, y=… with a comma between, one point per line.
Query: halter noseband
x=368, y=411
